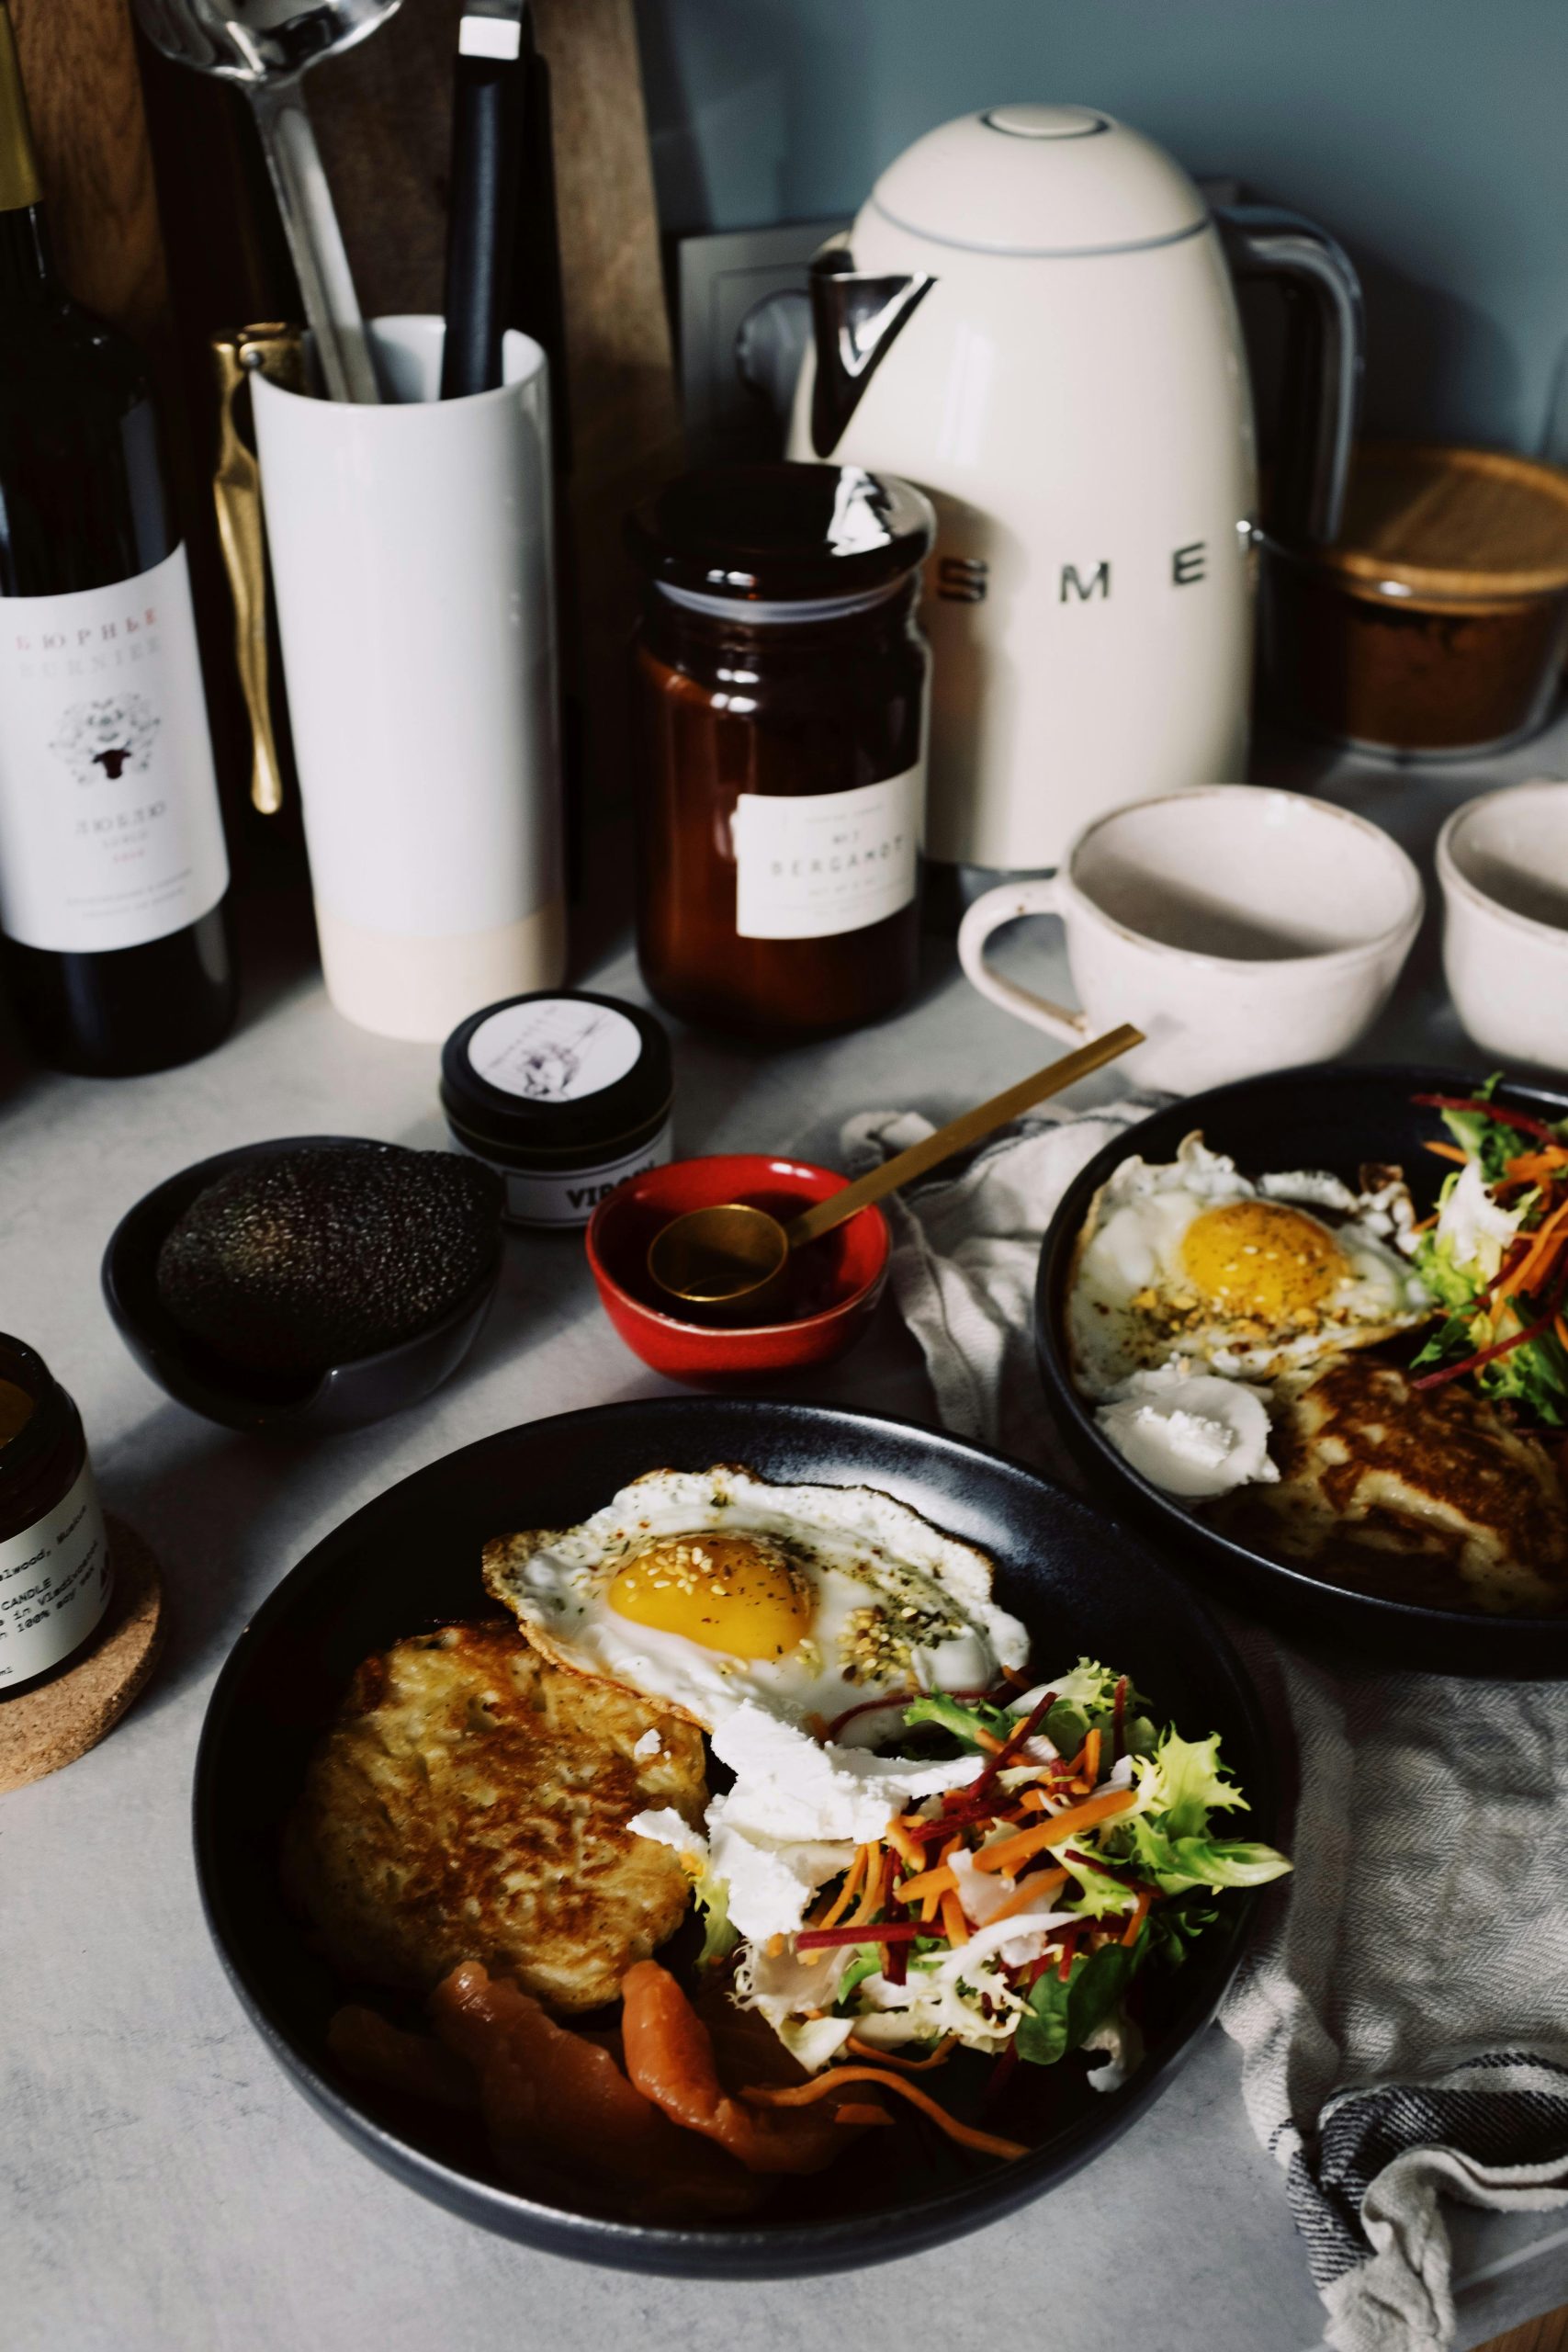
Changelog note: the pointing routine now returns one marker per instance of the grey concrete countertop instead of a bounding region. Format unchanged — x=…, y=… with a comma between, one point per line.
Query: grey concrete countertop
x=166, y=2188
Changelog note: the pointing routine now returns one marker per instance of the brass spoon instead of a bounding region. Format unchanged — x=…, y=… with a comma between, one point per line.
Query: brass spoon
x=731, y=1262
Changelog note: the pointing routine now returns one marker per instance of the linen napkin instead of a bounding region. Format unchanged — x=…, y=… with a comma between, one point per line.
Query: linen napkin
x=1403, y=2013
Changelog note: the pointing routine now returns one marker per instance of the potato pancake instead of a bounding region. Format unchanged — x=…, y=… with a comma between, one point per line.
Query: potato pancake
x=1425, y=1496
x=471, y=1802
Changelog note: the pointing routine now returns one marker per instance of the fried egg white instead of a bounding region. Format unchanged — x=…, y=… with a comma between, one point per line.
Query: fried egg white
x=709, y=1589
x=1190, y=1259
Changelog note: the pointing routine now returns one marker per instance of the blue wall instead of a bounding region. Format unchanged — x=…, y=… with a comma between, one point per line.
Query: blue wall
x=1431, y=135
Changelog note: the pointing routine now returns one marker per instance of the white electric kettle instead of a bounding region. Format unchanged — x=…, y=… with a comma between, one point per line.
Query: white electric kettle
x=1033, y=318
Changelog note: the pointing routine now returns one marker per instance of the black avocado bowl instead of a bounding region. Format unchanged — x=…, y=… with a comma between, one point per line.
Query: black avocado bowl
x=411, y=1560
x=344, y=1396
x=1322, y=1116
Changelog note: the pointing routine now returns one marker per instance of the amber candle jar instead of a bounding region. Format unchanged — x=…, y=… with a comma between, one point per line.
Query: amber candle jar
x=780, y=722
x=55, y=1567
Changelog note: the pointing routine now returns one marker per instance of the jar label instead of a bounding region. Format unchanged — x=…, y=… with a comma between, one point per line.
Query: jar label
x=110, y=830
x=55, y=1580
x=554, y=1050
x=812, y=864
x=571, y=1198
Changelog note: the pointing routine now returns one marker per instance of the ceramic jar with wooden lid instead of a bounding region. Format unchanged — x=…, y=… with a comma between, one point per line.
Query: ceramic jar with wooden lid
x=1437, y=625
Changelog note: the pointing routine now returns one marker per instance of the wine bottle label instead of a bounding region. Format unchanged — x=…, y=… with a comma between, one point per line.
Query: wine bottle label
x=812, y=864
x=55, y=1581
x=109, y=829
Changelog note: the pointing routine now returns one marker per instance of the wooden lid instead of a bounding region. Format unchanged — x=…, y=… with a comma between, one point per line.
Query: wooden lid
x=1452, y=523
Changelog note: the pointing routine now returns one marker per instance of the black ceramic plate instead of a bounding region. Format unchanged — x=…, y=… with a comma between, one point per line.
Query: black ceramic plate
x=410, y=1559
x=1323, y=1115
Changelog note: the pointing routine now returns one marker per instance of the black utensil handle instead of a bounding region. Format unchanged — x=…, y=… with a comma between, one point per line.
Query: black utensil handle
x=486, y=125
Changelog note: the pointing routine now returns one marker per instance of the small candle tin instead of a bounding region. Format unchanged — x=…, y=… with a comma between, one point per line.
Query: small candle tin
x=565, y=1094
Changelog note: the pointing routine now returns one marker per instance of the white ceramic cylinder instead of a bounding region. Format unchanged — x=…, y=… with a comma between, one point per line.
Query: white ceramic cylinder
x=412, y=564
x=1503, y=865
x=1240, y=928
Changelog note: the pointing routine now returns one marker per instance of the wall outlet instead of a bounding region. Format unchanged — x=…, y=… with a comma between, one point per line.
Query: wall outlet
x=723, y=280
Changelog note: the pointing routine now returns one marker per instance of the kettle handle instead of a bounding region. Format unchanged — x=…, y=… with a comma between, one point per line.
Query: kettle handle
x=1324, y=359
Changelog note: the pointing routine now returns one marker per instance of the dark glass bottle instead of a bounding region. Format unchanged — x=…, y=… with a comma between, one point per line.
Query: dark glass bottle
x=781, y=704
x=112, y=864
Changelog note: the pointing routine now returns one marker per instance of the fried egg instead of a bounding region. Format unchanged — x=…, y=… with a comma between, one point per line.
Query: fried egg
x=1191, y=1258
x=708, y=1588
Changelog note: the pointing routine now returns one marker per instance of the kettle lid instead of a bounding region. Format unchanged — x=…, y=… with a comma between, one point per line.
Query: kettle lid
x=1039, y=180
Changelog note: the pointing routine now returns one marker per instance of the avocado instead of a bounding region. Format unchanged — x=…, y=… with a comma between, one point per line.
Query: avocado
x=313, y=1257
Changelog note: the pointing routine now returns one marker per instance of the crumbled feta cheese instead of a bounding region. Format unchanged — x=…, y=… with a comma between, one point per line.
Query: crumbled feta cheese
x=1191, y=1433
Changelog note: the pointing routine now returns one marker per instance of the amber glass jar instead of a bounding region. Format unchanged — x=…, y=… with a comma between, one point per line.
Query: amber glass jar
x=780, y=720
x=55, y=1567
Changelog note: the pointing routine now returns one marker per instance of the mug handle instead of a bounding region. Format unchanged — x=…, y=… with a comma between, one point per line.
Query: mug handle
x=987, y=914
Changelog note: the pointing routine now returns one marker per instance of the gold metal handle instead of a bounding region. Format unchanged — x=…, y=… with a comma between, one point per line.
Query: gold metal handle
x=958, y=1133
x=277, y=352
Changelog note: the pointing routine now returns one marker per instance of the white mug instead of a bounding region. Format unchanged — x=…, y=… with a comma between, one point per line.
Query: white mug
x=1503, y=865
x=411, y=565
x=1239, y=927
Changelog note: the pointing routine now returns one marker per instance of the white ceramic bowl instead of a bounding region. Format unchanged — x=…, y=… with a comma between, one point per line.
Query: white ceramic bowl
x=1503, y=865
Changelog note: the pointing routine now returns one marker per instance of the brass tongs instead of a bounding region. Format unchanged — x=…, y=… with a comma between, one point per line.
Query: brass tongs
x=277, y=352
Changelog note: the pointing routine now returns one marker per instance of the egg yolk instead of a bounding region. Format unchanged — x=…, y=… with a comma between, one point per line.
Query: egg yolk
x=723, y=1592
x=1263, y=1260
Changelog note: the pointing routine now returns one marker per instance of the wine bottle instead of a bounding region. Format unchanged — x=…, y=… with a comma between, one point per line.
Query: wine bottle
x=113, y=871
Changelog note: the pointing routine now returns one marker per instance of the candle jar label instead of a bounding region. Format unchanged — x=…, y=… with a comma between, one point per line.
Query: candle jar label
x=810, y=865
x=54, y=1584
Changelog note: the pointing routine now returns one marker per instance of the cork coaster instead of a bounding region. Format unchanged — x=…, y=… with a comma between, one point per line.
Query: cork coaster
x=51, y=1725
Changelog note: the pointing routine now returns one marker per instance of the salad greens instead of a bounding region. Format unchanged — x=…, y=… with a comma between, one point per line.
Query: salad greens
x=1495, y=1256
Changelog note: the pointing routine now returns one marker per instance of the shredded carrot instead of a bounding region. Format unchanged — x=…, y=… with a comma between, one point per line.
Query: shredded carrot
x=954, y=1925
x=1134, y=1925
x=1035, y=1801
x=903, y=1846
x=1528, y=1167
x=1540, y=1256
x=1024, y=1892
x=1427, y=1222
x=1560, y=1329
x=985, y=2143
x=937, y=1882
x=870, y=1903
x=984, y=1739
x=938, y=2057
x=1448, y=1151
x=841, y=1900
x=1009, y=1851
x=869, y=2113
x=1092, y=1758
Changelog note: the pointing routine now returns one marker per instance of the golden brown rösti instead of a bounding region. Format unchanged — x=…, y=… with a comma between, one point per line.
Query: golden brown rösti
x=471, y=1802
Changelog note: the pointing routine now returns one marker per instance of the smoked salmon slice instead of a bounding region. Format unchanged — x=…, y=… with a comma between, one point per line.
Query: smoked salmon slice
x=669, y=2058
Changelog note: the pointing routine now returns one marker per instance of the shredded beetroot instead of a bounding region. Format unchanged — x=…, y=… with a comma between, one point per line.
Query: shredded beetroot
x=1519, y=1119
x=886, y=1931
x=1118, y=1720
x=1499, y=1347
x=1011, y=1747
x=895, y=1963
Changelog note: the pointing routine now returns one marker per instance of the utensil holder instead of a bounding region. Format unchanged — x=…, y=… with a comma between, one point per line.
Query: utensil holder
x=412, y=563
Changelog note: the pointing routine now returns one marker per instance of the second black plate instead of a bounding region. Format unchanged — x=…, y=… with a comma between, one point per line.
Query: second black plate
x=1322, y=1115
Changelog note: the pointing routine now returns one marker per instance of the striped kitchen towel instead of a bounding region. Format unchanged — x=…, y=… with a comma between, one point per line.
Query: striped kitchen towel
x=1403, y=2013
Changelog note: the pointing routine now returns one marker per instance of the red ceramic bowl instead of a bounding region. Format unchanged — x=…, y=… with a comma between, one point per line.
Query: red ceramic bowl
x=839, y=1279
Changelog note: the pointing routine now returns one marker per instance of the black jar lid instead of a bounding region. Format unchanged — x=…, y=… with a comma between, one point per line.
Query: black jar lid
x=782, y=533
x=559, y=1069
